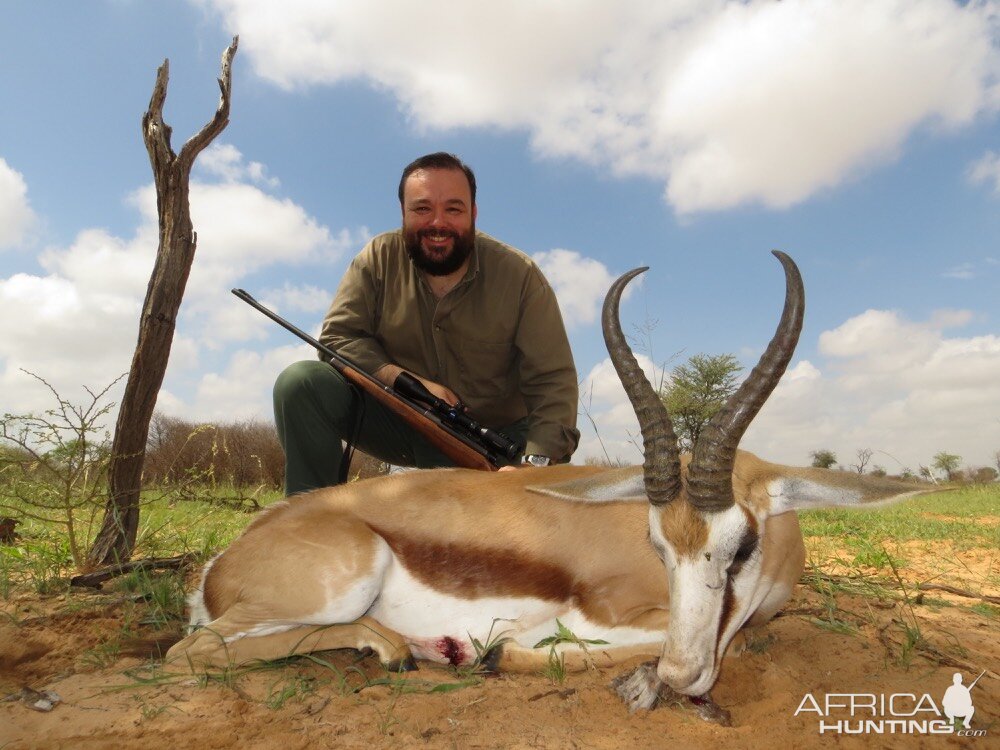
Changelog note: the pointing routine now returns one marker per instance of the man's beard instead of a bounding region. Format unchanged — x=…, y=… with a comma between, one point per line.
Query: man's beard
x=461, y=249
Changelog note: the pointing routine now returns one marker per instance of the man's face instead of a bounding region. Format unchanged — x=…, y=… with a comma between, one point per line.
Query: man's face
x=439, y=220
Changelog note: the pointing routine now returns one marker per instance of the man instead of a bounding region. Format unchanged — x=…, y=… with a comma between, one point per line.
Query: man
x=470, y=317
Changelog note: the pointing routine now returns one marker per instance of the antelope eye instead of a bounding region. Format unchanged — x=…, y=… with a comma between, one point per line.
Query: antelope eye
x=744, y=552
x=746, y=549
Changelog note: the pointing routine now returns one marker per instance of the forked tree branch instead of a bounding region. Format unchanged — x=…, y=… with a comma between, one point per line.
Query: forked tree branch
x=218, y=123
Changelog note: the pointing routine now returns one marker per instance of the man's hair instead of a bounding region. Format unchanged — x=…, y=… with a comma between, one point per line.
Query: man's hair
x=438, y=160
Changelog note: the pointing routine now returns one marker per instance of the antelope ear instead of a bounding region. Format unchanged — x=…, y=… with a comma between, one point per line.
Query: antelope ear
x=802, y=489
x=616, y=485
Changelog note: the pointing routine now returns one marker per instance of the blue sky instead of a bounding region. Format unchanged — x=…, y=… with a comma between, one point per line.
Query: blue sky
x=861, y=138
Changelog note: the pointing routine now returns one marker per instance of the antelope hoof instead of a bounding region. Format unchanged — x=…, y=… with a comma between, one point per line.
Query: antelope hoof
x=491, y=660
x=711, y=711
x=639, y=688
x=737, y=646
x=407, y=664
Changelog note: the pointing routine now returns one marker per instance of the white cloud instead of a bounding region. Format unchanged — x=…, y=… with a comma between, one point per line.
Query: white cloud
x=76, y=321
x=241, y=230
x=945, y=318
x=16, y=216
x=905, y=389
x=902, y=388
x=304, y=298
x=242, y=390
x=608, y=427
x=579, y=283
x=60, y=332
x=986, y=171
x=753, y=127
x=963, y=271
x=225, y=161
x=698, y=94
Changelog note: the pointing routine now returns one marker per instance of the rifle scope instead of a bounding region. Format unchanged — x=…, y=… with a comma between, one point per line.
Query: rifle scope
x=409, y=386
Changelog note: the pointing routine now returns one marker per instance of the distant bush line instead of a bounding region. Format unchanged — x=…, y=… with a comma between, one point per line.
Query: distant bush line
x=243, y=453
x=240, y=454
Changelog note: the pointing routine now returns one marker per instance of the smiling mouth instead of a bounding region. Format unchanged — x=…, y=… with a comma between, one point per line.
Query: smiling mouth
x=437, y=242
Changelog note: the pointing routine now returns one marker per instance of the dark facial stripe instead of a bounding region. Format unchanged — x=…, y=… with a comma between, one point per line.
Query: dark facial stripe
x=748, y=545
x=478, y=572
x=728, y=606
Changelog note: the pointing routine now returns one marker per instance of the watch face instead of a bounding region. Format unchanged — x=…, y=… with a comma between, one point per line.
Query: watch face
x=534, y=460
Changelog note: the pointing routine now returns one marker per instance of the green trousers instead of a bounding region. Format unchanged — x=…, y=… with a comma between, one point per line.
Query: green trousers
x=316, y=410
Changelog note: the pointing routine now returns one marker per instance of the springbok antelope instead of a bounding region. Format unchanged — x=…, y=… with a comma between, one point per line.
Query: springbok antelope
x=670, y=559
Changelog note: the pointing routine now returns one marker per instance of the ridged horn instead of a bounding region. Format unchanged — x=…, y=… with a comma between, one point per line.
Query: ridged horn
x=710, y=474
x=662, y=465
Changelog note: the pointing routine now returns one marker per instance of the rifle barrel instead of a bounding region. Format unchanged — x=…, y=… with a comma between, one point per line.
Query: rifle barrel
x=248, y=298
x=342, y=362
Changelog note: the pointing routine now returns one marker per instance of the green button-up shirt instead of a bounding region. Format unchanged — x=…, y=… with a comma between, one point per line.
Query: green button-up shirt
x=496, y=339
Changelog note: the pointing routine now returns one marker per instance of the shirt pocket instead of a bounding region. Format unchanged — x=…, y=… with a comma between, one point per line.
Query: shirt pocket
x=487, y=367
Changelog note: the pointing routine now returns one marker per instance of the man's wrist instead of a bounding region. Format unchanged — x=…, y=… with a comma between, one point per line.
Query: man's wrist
x=388, y=373
x=536, y=459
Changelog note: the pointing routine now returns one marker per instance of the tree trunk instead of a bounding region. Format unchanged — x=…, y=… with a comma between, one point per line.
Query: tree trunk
x=171, y=172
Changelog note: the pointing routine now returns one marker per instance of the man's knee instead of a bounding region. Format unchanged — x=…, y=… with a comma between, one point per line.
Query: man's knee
x=307, y=379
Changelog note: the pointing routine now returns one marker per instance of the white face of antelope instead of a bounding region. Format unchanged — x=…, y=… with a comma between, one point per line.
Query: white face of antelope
x=713, y=564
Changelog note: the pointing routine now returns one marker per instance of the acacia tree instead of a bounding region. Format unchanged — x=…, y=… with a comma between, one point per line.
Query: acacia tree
x=946, y=462
x=174, y=256
x=823, y=458
x=696, y=391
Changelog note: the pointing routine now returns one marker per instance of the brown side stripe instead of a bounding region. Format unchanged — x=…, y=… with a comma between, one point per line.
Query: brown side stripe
x=478, y=572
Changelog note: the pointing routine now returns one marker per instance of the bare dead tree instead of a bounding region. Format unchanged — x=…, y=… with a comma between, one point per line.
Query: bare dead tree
x=174, y=256
x=864, y=456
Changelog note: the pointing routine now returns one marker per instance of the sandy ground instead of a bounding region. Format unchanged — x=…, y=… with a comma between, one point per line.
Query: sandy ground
x=54, y=644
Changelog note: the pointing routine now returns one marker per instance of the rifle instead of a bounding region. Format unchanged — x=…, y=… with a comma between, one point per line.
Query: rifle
x=448, y=428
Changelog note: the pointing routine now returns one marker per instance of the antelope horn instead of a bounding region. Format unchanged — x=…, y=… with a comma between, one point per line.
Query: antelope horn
x=662, y=466
x=710, y=474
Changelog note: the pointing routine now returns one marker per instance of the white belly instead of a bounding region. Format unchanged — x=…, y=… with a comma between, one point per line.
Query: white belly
x=441, y=627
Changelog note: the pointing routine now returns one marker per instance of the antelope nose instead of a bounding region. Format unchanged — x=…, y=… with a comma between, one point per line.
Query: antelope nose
x=679, y=674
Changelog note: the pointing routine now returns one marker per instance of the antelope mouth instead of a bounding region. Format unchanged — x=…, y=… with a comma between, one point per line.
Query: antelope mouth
x=691, y=680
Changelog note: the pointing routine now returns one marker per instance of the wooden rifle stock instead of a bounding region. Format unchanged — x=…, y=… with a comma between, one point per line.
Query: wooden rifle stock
x=460, y=448
x=450, y=443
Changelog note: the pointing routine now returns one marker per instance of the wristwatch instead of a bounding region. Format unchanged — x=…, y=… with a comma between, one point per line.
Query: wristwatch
x=534, y=459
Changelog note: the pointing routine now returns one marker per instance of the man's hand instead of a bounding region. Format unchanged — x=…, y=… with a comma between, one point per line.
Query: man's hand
x=445, y=394
x=388, y=373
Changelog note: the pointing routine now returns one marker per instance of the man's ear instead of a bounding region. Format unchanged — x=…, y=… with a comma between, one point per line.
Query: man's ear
x=475, y=211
